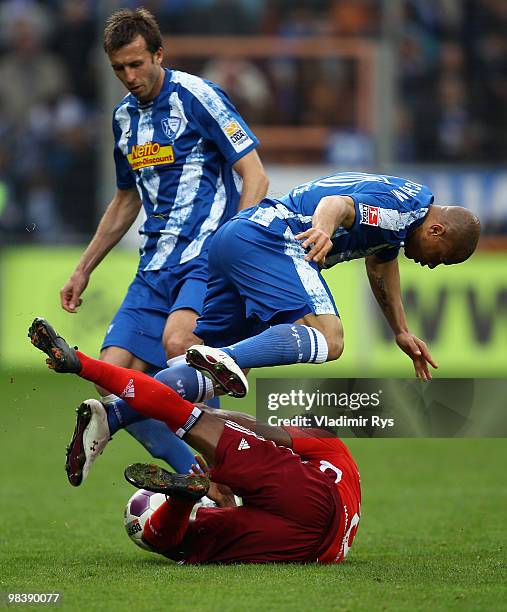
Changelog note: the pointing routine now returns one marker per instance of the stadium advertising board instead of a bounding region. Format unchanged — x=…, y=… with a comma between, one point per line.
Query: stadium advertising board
x=461, y=312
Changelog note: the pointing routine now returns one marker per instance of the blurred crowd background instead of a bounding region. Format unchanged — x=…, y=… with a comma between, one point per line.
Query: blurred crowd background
x=447, y=90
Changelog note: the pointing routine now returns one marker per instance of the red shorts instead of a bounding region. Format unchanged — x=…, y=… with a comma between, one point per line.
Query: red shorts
x=290, y=510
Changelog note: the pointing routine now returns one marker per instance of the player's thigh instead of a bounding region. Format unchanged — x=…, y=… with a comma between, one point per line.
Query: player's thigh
x=138, y=325
x=272, y=277
x=123, y=358
x=332, y=329
x=223, y=319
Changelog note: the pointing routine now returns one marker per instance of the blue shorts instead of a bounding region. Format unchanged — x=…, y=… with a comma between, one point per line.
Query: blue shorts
x=140, y=321
x=258, y=277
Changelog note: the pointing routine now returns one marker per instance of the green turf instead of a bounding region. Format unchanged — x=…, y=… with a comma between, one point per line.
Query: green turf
x=432, y=535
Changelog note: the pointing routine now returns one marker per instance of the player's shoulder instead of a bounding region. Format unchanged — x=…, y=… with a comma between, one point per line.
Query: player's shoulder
x=194, y=85
x=128, y=101
x=407, y=194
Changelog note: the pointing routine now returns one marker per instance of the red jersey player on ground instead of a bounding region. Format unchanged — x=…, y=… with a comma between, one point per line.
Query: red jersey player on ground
x=301, y=493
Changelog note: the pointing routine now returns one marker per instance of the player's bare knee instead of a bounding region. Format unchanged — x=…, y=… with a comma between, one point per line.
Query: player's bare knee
x=335, y=348
x=174, y=347
x=334, y=339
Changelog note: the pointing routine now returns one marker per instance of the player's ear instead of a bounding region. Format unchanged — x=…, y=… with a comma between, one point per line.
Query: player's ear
x=437, y=229
x=158, y=56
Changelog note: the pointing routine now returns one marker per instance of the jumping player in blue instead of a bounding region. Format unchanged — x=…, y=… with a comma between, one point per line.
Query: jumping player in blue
x=267, y=303
x=184, y=153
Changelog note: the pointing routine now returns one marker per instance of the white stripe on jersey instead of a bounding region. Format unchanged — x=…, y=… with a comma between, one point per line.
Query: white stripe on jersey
x=178, y=110
x=149, y=176
x=210, y=223
x=182, y=208
x=350, y=178
x=122, y=116
x=264, y=216
x=340, y=180
x=309, y=277
x=392, y=219
x=215, y=106
x=241, y=429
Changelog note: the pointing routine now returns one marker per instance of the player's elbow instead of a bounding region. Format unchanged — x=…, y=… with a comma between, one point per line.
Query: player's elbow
x=262, y=183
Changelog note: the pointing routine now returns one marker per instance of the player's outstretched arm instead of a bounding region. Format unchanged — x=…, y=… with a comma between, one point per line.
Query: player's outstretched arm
x=384, y=280
x=255, y=181
x=118, y=217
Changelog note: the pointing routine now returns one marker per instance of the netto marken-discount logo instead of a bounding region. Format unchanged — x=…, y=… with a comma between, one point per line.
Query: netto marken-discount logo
x=150, y=154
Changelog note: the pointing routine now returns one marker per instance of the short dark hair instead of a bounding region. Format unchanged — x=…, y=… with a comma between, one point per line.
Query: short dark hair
x=464, y=230
x=124, y=25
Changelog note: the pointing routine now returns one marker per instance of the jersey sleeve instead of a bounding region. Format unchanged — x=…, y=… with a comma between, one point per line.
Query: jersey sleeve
x=380, y=211
x=221, y=123
x=124, y=177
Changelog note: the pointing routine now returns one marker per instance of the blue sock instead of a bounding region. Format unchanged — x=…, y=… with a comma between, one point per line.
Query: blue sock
x=154, y=435
x=163, y=444
x=188, y=382
x=120, y=415
x=214, y=403
x=280, y=345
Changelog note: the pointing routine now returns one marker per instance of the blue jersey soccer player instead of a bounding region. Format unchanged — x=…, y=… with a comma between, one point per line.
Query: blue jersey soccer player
x=184, y=153
x=265, y=270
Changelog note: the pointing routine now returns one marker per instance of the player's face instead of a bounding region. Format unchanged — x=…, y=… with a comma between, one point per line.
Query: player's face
x=138, y=69
x=427, y=250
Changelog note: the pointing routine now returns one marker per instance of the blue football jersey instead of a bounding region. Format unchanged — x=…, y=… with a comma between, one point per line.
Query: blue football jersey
x=387, y=208
x=178, y=150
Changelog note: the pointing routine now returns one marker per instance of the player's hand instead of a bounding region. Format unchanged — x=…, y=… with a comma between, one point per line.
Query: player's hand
x=221, y=494
x=70, y=294
x=199, y=468
x=417, y=350
x=318, y=242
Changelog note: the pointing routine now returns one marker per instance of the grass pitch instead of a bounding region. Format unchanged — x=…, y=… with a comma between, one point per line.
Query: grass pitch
x=432, y=533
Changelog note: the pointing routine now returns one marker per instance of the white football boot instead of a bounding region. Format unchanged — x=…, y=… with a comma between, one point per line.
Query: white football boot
x=218, y=366
x=91, y=434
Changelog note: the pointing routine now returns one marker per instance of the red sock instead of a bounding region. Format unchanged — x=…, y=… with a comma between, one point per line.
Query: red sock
x=168, y=524
x=143, y=393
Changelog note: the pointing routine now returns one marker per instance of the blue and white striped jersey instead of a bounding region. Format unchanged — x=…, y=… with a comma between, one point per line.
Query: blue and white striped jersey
x=178, y=150
x=387, y=209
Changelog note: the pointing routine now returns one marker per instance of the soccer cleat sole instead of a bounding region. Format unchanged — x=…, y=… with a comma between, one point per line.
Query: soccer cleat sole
x=60, y=355
x=151, y=477
x=76, y=456
x=226, y=380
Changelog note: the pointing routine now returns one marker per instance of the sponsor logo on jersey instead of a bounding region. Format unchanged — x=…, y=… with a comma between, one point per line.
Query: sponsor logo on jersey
x=369, y=214
x=237, y=135
x=150, y=154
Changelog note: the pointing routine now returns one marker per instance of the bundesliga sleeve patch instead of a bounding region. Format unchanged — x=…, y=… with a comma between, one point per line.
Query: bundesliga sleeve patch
x=237, y=136
x=369, y=214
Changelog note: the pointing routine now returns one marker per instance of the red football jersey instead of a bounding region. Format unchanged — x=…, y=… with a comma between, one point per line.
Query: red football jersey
x=331, y=456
